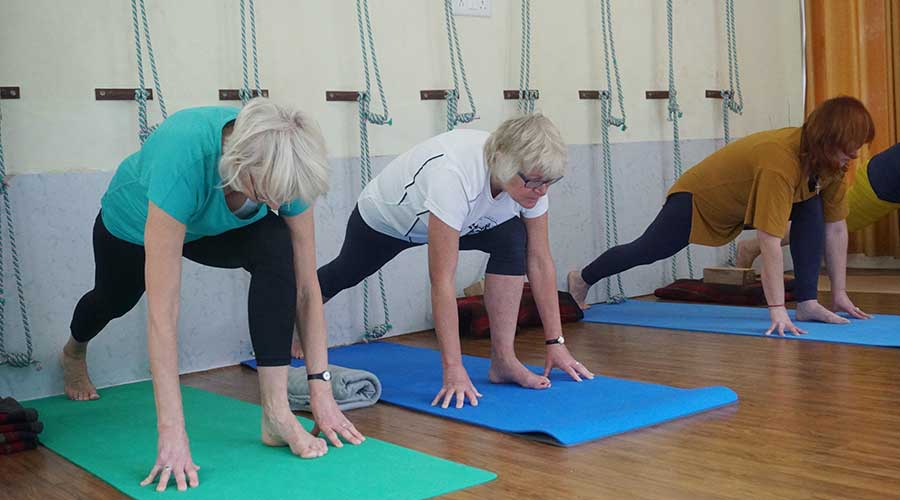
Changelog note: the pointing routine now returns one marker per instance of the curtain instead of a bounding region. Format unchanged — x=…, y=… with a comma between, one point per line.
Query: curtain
x=853, y=48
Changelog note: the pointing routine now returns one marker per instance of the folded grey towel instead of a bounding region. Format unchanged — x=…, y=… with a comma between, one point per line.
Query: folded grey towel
x=351, y=388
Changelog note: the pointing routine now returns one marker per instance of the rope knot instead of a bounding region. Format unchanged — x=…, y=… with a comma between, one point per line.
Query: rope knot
x=378, y=331
x=379, y=119
x=617, y=122
x=18, y=360
x=616, y=299
x=674, y=108
x=674, y=111
x=730, y=103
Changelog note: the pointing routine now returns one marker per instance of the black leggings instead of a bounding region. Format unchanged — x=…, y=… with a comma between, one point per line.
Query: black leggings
x=365, y=251
x=671, y=230
x=262, y=248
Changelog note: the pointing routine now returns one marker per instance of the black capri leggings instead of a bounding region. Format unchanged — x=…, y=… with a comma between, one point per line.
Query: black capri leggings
x=671, y=231
x=365, y=251
x=262, y=248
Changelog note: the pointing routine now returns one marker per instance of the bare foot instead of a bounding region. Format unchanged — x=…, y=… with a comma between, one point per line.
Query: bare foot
x=747, y=252
x=73, y=360
x=296, y=347
x=286, y=431
x=514, y=372
x=578, y=289
x=812, y=310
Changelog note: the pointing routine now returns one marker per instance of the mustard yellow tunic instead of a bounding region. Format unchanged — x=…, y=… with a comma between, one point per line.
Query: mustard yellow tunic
x=865, y=206
x=754, y=181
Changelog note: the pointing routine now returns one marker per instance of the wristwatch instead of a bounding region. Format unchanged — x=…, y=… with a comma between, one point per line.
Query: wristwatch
x=557, y=340
x=326, y=376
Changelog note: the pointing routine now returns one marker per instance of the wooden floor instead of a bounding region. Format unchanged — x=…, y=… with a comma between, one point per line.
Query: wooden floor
x=814, y=421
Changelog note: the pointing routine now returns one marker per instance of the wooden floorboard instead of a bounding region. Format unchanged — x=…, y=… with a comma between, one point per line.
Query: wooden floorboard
x=815, y=421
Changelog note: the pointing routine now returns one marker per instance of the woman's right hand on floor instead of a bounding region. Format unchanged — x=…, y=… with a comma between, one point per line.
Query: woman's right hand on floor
x=173, y=458
x=457, y=382
x=781, y=322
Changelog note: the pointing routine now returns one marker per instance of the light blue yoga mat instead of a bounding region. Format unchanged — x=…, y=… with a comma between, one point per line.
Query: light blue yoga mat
x=567, y=414
x=882, y=330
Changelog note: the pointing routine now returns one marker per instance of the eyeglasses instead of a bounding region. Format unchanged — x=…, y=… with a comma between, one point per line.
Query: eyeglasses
x=537, y=183
x=256, y=195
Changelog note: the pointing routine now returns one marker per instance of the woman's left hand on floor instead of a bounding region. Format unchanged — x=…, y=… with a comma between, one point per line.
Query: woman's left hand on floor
x=331, y=422
x=558, y=356
x=842, y=303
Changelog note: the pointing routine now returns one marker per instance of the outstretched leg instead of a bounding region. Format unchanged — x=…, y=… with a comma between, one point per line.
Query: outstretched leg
x=118, y=285
x=667, y=235
x=363, y=252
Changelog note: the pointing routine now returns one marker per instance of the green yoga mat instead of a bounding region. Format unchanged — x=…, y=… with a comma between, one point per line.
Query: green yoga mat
x=115, y=439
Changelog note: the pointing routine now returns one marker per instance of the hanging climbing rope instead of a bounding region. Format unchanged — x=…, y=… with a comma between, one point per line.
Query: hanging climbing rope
x=674, y=115
x=454, y=117
x=248, y=9
x=15, y=359
x=366, y=116
x=526, y=95
x=140, y=94
x=608, y=119
x=732, y=100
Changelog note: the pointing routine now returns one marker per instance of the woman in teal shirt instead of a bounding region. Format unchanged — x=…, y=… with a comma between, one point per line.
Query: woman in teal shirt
x=207, y=185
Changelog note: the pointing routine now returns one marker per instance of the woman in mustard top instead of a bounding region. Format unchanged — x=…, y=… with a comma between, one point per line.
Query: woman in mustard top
x=763, y=181
x=873, y=194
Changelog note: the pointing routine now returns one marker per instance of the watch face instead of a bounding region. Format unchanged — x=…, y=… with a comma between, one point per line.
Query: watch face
x=562, y=340
x=326, y=375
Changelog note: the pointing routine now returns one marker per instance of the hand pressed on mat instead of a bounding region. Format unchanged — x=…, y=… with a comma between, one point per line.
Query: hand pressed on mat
x=558, y=356
x=173, y=459
x=781, y=322
x=330, y=420
x=842, y=303
x=458, y=383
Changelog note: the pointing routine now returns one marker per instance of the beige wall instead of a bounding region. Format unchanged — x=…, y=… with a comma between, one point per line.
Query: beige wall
x=58, y=52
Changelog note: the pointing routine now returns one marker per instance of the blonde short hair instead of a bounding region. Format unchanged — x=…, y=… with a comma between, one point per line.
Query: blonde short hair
x=525, y=145
x=282, y=148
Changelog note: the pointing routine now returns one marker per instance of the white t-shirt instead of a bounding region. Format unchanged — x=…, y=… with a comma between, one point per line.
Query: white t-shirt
x=445, y=176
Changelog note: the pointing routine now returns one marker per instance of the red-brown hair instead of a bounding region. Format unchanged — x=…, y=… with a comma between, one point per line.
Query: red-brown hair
x=838, y=125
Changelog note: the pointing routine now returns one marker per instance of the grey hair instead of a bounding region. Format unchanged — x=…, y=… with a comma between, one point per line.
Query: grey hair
x=526, y=144
x=282, y=148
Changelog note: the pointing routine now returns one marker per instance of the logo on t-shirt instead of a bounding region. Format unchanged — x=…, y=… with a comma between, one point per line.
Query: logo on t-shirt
x=482, y=224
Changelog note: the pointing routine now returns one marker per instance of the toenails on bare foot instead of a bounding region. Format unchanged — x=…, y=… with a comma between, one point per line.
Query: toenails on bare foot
x=286, y=431
x=514, y=372
x=812, y=310
x=78, y=385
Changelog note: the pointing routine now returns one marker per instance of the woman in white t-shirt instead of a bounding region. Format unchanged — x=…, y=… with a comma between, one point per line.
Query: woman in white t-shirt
x=469, y=190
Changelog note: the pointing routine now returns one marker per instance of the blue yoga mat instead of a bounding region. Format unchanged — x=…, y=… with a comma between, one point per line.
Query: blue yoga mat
x=567, y=414
x=882, y=330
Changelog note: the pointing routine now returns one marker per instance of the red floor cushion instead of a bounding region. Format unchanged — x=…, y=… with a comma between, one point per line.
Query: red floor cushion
x=734, y=295
x=473, y=318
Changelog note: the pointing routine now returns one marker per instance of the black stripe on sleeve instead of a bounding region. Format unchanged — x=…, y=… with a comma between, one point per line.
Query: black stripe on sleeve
x=413, y=181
